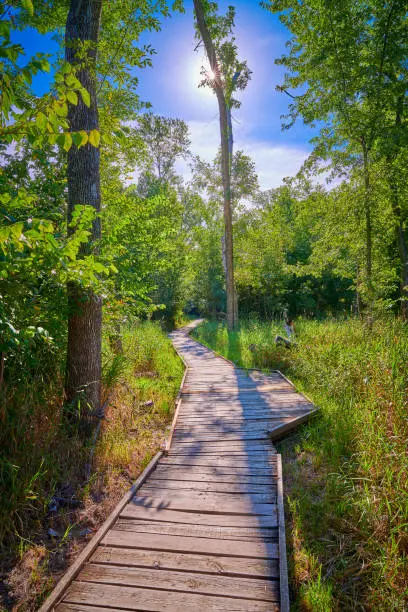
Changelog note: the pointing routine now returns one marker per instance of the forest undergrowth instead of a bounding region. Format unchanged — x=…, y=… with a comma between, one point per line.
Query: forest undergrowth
x=346, y=472
x=52, y=503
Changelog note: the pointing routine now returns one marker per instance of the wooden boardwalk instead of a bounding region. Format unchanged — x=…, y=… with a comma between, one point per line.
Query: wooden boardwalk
x=205, y=530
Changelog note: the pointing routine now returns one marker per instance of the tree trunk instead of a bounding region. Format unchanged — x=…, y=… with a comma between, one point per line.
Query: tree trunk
x=226, y=139
x=83, y=373
x=368, y=223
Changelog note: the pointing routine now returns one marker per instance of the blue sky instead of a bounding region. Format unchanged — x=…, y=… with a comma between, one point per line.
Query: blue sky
x=171, y=87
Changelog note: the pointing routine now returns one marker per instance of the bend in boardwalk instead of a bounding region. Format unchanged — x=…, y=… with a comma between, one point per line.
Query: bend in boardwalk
x=205, y=531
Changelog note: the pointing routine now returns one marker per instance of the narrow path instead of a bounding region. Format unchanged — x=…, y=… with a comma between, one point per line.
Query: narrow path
x=205, y=531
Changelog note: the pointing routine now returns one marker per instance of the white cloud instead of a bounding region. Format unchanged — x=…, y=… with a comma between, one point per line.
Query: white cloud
x=273, y=162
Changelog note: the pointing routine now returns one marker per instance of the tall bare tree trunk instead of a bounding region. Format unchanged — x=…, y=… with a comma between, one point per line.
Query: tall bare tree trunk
x=83, y=373
x=226, y=139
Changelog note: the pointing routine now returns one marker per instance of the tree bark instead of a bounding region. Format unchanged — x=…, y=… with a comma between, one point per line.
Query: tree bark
x=368, y=223
x=83, y=371
x=226, y=139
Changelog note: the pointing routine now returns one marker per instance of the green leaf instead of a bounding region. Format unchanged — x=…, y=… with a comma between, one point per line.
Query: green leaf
x=94, y=138
x=45, y=65
x=61, y=109
x=41, y=121
x=28, y=6
x=27, y=76
x=86, y=97
x=68, y=141
x=77, y=139
x=107, y=138
x=84, y=136
x=5, y=29
x=71, y=81
x=65, y=141
x=72, y=97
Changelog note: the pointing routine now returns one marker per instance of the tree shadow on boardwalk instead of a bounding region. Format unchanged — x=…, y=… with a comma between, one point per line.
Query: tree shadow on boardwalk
x=222, y=430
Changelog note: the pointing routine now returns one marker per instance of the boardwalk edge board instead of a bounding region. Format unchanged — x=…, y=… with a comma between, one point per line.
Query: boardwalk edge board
x=178, y=404
x=76, y=567
x=283, y=563
x=283, y=430
x=294, y=386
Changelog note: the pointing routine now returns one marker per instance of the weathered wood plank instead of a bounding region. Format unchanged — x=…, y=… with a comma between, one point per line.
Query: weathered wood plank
x=188, y=582
x=211, y=461
x=233, y=390
x=243, y=406
x=240, y=413
x=198, y=531
x=210, y=476
x=279, y=432
x=79, y=607
x=216, y=449
x=208, y=471
x=260, y=456
x=209, y=546
x=244, y=435
x=160, y=514
x=190, y=451
x=234, y=397
x=203, y=501
x=202, y=419
x=232, y=465
x=136, y=598
x=246, y=425
x=208, y=564
x=235, y=464
x=226, y=446
x=211, y=486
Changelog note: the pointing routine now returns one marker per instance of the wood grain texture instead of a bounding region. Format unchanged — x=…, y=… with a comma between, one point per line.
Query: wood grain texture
x=180, y=544
x=198, y=531
x=189, y=582
x=134, y=598
x=205, y=564
x=206, y=501
x=195, y=518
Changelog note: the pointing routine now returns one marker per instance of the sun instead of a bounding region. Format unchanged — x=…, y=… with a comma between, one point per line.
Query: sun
x=199, y=67
x=211, y=74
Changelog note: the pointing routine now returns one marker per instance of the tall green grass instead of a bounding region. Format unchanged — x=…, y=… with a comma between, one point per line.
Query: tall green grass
x=346, y=473
x=40, y=455
x=151, y=372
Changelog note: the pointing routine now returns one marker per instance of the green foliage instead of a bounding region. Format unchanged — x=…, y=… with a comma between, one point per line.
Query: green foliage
x=347, y=66
x=166, y=140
